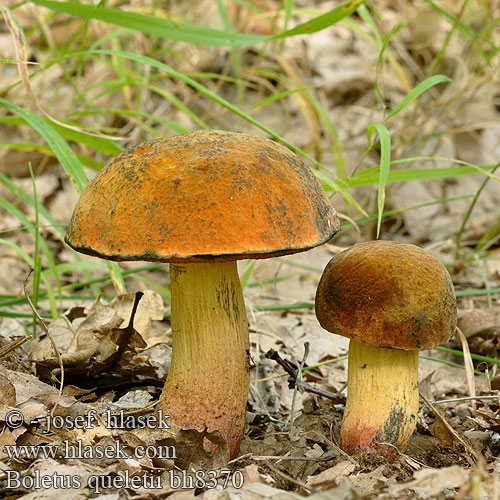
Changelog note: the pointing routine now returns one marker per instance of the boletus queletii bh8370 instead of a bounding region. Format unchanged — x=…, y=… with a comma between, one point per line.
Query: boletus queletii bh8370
x=391, y=299
x=201, y=201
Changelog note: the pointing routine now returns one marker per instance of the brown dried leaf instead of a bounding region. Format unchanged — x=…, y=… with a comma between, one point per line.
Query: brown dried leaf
x=28, y=387
x=7, y=391
x=430, y=483
x=6, y=439
x=442, y=434
x=41, y=350
x=479, y=321
x=98, y=344
x=251, y=474
x=332, y=477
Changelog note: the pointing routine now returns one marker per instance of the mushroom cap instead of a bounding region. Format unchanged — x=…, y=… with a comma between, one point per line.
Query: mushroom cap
x=387, y=294
x=206, y=195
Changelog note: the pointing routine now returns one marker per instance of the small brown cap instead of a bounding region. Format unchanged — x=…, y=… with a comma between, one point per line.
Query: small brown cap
x=387, y=294
x=207, y=195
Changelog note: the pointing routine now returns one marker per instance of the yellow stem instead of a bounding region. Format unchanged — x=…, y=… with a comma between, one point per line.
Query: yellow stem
x=382, y=399
x=208, y=380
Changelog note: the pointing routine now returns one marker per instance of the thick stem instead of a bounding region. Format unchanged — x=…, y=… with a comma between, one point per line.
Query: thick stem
x=208, y=380
x=382, y=399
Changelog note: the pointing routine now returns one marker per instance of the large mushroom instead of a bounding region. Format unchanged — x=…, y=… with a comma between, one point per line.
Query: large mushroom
x=391, y=299
x=202, y=201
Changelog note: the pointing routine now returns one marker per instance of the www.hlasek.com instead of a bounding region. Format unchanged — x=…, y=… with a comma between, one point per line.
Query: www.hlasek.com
x=114, y=450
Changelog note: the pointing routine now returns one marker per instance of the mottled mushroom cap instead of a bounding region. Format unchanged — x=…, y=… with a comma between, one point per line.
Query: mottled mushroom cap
x=387, y=294
x=207, y=195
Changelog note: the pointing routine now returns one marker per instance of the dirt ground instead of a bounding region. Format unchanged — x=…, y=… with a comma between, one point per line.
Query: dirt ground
x=291, y=445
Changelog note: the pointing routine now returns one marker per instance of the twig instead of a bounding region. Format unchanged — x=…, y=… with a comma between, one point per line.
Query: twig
x=467, y=398
x=296, y=385
x=52, y=341
x=14, y=344
x=260, y=458
x=469, y=365
x=453, y=432
x=292, y=371
x=289, y=478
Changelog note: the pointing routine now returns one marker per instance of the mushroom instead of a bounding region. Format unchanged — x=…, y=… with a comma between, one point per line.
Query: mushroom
x=391, y=299
x=201, y=201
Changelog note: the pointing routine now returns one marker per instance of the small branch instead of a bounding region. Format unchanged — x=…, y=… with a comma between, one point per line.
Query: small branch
x=12, y=346
x=468, y=398
x=263, y=458
x=292, y=371
x=46, y=329
x=454, y=433
x=289, y=478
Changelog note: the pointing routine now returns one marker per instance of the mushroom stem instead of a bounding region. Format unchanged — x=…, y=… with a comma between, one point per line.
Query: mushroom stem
x=382, y=399
x=208, y=380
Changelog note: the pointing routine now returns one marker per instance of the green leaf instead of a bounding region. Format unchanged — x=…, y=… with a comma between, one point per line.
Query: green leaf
x=65, y=155
x=370, y=176
x=280, y=95
x=323, y=21
x=154, y=25
x=385, y=165
x=419, y=89
x=101, y=144
x=383, y=48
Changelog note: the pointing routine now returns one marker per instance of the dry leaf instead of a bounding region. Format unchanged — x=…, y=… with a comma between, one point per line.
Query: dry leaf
x=332, y=477
x=7, y=392
x=98, y=344
x=442, y=434
x=430, y=483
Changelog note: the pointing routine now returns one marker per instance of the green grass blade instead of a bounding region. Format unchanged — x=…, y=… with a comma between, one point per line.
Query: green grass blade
x=65, y=155
x=385, y=165
x=476, y=292
x=29, y=261
x=116, y=276
x=323, y=21
x=458, y=238
x=419, y=89
x=8, y=314
x=491, y=236
x=152, y=25
x=337, y=151
x=468, y=31
x=280, y=95
x=46, y=251
x=37, y=259
x=22, y=253
x=105, y=279
x=364, y=14
x=102, y=144
x=288, y=13
x=383, y=48
x=28, y=199
x=129, y=112
x=248, y=273
x=365, y=178
x=221, y=7
x=401, y=210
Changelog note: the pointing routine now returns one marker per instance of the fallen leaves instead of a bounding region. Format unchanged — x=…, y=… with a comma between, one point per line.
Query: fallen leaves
x=97, y=342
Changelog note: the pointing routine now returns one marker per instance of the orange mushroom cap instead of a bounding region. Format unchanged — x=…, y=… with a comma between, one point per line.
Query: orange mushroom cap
x=202, y=196
x=387, y=294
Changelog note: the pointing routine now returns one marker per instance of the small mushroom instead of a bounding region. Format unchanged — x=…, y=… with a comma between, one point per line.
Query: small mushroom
x=202, y=201
x=391, y=299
